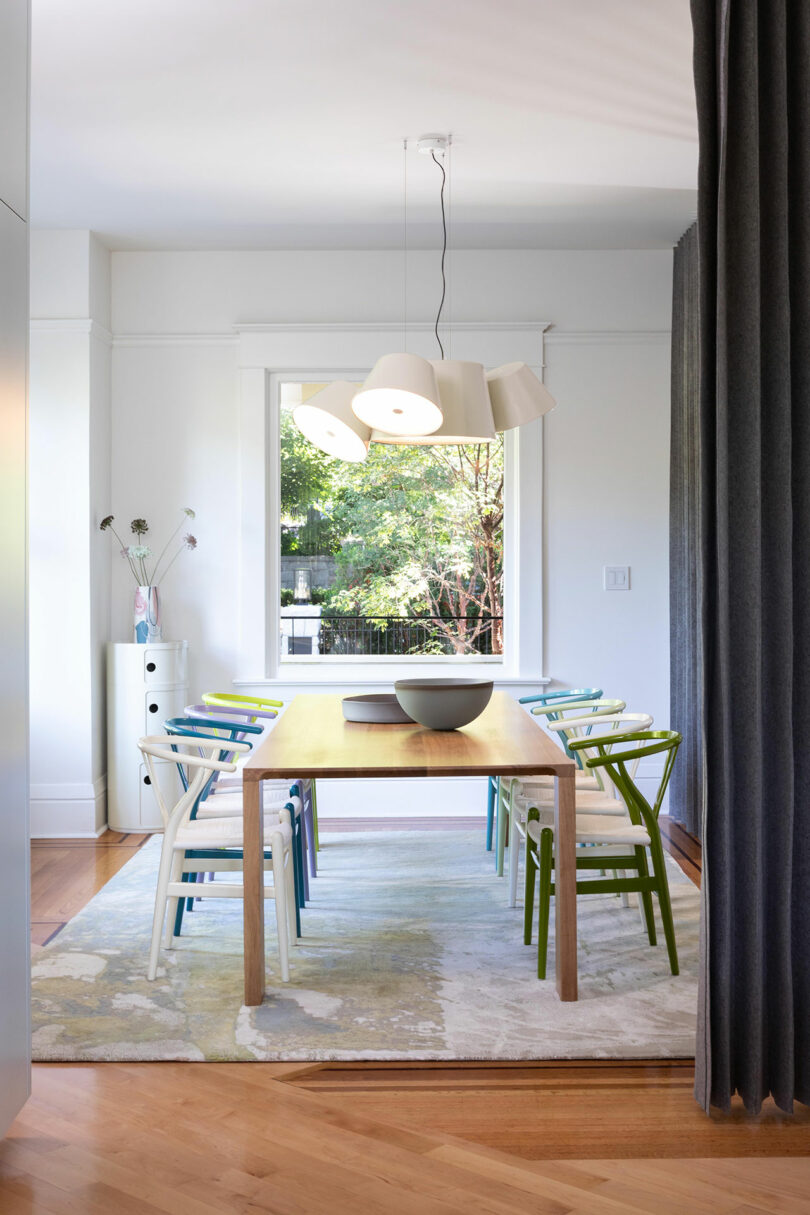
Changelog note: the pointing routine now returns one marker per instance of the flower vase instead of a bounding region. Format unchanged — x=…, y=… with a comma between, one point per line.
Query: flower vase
x=147, y=621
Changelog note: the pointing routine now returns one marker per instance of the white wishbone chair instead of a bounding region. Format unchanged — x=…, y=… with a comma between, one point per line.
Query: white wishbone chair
x=184, y=836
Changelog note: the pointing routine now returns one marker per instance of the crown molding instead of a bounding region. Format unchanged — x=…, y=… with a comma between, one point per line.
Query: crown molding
x=82, y=324
x=608, y=337
x=175, y=339
x=396, y=327
x=551, y=335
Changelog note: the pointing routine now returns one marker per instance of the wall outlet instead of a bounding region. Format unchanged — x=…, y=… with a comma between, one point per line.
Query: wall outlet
x=616, y=577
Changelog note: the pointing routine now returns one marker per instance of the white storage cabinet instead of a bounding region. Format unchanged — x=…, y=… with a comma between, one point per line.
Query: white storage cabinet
x=145, y=685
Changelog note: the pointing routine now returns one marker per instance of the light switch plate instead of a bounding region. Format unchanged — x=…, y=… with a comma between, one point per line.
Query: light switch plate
x=616, y=577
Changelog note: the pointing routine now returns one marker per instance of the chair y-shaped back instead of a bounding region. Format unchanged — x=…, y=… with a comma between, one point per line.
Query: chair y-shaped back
x=564, y=694
x=254, y=705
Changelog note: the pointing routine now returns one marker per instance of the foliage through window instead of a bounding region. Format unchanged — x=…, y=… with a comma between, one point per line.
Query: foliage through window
x=400, y=555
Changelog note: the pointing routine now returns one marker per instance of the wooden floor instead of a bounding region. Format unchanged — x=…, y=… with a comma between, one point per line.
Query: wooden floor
x=65, y=874
x=591, y=1138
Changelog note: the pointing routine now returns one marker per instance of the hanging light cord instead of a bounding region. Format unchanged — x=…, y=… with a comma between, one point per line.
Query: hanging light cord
x=444, y=253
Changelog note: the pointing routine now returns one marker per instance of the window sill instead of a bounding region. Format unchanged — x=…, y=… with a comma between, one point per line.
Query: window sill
x=339, y=673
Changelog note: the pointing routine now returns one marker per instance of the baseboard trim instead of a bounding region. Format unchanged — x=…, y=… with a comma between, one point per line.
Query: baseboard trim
x=69, y=811
x=411, y=823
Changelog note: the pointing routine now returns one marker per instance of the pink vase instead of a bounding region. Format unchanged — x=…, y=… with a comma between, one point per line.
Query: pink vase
x=146, y=620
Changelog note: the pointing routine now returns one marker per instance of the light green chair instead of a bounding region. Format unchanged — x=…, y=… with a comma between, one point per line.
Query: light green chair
x=598, y=706
x=607, y=844
x=236, y=699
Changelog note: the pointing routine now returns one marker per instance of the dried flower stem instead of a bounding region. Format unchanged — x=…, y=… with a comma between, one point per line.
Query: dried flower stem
x=168, y=542
x=124, y=547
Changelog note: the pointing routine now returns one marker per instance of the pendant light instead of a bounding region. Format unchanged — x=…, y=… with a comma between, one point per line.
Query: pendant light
x=464, y=413
x=400, y=397
x=517, y=396
x=413, y=401
x=465, y=405
x=329, y=422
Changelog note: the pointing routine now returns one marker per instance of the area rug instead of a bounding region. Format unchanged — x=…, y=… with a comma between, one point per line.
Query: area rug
x=410, y=952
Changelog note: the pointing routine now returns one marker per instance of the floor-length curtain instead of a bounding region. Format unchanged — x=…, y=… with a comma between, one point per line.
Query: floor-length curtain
x=752, y=78
x=686, y=786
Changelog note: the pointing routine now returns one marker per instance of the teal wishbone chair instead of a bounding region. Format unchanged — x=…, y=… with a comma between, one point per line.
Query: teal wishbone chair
x=308, y=785
x=560, y=695
x=597, y=706
x=563, y=695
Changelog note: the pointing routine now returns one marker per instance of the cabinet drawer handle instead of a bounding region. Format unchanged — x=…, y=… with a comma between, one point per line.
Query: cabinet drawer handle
x=147, y=780
x=150, y=666
x=153, y=708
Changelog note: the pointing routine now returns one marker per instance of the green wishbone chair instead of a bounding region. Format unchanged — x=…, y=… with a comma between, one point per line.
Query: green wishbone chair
x=520, y=793
x=620, y=846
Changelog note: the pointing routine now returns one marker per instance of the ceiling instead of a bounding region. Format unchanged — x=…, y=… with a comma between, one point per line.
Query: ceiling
x=280, y=123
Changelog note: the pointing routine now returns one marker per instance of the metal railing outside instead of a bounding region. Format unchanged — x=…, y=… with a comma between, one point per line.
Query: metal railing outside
x=395, y=636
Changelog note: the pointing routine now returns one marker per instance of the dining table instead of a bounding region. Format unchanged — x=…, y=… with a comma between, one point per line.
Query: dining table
x=312, y=740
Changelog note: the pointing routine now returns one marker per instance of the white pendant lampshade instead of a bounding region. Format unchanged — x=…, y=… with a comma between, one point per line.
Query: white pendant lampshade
x=465, y=405
x=517, y=395
x=400, y=396
x=328, y=420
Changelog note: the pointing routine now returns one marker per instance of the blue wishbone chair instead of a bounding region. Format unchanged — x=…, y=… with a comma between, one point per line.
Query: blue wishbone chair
x=253, y=715
x=564, y=694
x=226, y=733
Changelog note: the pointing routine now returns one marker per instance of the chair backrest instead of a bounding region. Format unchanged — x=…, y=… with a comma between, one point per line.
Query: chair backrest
x=598, y=706
x=206, y=715
x=235, y=698
x=199, y=760
x=546, y=698
x=614, y=757
x=231, y=713
x=226, y=733
x=594, y=726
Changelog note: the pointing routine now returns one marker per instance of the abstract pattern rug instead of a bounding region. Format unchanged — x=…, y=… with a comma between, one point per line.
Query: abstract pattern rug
x=410, y=952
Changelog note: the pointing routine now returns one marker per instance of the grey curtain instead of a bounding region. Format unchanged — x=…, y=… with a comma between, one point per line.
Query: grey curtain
x=752, y=76
x=686, y=786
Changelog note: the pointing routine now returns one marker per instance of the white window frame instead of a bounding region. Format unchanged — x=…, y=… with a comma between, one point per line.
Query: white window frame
x=270, y=354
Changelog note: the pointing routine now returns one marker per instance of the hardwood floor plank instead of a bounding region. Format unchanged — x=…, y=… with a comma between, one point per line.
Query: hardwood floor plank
x=43, y=931
x=562, y=1111
x=553, y=1137
x=65, y=879
x=239, y=1138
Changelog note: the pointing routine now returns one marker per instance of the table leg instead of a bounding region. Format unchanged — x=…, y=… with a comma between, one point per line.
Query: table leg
x=565, y=885
x=253, y=879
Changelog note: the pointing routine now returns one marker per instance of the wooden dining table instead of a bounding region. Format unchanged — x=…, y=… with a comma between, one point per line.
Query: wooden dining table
x=312, y=740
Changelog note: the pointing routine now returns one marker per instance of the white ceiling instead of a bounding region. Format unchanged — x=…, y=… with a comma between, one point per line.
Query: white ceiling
x=279, y=123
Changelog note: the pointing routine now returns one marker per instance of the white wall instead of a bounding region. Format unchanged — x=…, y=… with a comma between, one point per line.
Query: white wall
x=174, y=430
x=69, y=558
x=175, y=416
x=209, y=292
x=607, y=503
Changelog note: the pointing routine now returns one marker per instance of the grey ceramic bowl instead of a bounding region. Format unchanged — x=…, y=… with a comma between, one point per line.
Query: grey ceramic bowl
x=380, y=708
x=443, y=704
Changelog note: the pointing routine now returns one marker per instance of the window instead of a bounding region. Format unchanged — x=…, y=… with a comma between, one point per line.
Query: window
x=400, y=556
